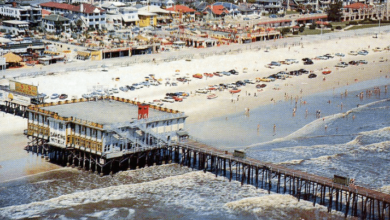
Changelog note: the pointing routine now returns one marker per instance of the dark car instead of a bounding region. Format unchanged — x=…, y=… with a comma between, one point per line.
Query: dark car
x=303, y=71
x=131, y=88
x=63, y=96
x=294, y=73
x=312, y=75
x=305, y=59
x=223, y=85
x=352, y=62
x=328, y=55
x=308, y=62
x=233, y=72
x=240, y=83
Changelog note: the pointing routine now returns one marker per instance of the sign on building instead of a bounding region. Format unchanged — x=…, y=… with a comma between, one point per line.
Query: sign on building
x=24, y=88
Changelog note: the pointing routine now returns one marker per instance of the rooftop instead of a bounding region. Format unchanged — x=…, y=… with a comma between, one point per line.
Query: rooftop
x=102, y=112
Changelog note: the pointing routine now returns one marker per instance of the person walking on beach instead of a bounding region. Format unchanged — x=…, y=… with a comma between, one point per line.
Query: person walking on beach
x=274, y=128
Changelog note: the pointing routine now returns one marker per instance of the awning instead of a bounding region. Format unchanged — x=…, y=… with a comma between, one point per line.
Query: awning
x=83, y=53
x=50, y=52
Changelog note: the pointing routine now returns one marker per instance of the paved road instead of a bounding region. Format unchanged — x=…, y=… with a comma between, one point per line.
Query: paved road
x=197, y=53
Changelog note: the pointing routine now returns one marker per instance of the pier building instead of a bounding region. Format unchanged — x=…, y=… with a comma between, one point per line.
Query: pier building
x=104, y=129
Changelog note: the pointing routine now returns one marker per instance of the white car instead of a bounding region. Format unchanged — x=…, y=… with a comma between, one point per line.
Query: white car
x=322, y=58
x=353, y=53
x=342, y=65
x=292, y=60
x=204, y=91
x=154, y=83
x=115, y=90
x=137, y=86
x=340, y=54
x=168, y=99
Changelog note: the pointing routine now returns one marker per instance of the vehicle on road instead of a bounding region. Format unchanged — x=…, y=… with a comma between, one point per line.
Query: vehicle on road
x=312, y=75
x=340, y=54
x=354, y=53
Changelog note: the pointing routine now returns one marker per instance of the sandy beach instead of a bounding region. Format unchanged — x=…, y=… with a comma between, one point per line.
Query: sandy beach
x=199, y=108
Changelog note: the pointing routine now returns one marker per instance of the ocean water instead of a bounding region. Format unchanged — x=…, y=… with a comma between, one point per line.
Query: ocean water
x=355, y=143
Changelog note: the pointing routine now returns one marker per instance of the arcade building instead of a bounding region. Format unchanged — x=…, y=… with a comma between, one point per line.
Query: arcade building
x=91, y=133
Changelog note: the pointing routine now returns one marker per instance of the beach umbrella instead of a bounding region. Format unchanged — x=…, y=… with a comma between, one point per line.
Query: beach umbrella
x=12, y=58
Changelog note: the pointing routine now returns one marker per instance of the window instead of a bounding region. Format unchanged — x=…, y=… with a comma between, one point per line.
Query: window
x=61, y=126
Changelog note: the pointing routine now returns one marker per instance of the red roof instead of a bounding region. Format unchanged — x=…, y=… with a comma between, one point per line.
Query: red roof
x=217, y=9
x=57, y=5
x=180, y=8
x=313, y=18
x=357, y=5
x=87, y=8
x=45, y=12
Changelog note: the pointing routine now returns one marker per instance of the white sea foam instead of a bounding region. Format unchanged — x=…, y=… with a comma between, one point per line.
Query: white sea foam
x=282, y=203
x=109, y=214
x=197, y=191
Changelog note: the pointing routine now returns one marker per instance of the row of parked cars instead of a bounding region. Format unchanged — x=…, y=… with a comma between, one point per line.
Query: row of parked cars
x=352, y=62
x=218, y=74
x=172, y=97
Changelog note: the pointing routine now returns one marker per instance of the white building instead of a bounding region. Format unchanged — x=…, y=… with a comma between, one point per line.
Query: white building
x=19, y=12
x=15, y=27
x=163, y=3
x=55, y=22
x=110, y=128
x=93, y=17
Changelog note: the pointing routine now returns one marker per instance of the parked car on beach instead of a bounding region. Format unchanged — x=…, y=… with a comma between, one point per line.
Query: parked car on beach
x=342, y=65
x=63, y=96
x=340, y=54
x=168, y=99
x=354, y=53
x=54, y=96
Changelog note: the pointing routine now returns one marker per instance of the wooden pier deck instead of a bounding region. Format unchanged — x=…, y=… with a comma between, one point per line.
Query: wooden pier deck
x=351, y=200
x=366, y=203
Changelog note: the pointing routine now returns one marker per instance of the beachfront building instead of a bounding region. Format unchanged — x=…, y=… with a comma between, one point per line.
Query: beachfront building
x=19, y=12
x=147, y=18
x=361, y=11
x=129, y=16
x=105, y=129
x=15, y=96
x=183, y=13
x=163, y=16
x=271, y=6
x=215, y=12
x=15, y=27
x=56, y=23
x=93, y=17
x=163, y=3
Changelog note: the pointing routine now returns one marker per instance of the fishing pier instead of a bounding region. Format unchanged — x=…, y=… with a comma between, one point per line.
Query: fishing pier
x=351, y=200
x=78, y=133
